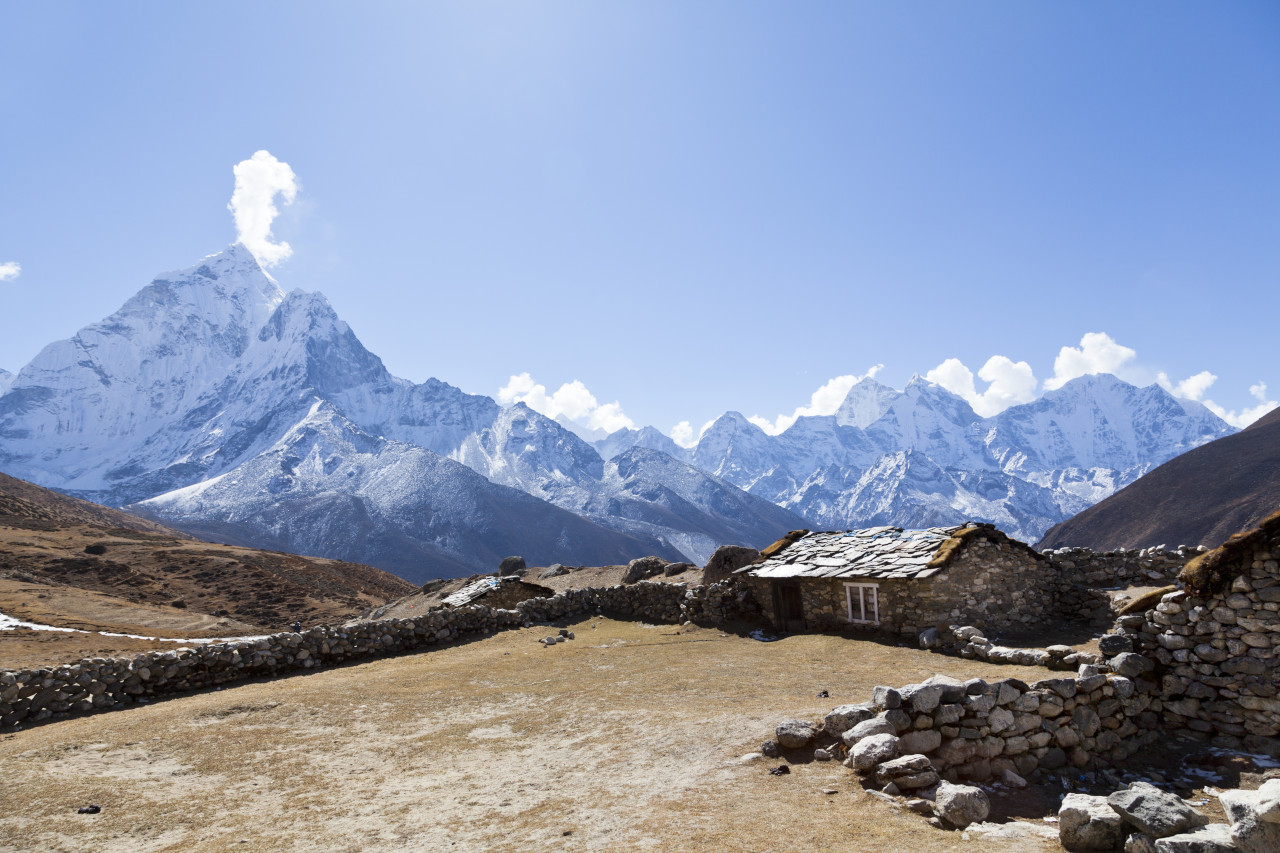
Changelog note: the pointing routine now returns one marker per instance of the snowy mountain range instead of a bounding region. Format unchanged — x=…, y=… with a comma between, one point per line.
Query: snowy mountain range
x=218, y=403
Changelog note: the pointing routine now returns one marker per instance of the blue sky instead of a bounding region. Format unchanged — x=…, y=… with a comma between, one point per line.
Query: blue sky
x=685, y=207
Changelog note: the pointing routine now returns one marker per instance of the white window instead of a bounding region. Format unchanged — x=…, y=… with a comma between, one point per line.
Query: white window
x=864, y=602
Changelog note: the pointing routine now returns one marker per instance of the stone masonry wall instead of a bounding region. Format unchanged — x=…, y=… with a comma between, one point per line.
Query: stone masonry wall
x=988, y=584
x=977, y=729
x=1218, y=658
x=100, y=684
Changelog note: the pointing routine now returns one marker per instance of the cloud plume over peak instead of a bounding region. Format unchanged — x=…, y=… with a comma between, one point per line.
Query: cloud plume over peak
x=824, y=401
x=572, y=401
x=9, y=270
x=258, y=181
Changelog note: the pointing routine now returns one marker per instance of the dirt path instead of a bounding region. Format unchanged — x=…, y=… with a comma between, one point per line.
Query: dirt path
x=626, y=738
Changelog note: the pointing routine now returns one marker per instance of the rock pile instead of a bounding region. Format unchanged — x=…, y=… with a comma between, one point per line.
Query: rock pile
x=969, y=642
x=1145, y=819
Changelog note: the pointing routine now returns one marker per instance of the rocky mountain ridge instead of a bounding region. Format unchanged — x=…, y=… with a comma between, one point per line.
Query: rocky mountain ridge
x=217, y=403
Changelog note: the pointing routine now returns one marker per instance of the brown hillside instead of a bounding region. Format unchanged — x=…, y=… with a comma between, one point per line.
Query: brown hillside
x=1198, y=498
x=48, y=539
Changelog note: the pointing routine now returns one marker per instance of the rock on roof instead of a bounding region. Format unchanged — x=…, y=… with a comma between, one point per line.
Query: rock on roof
x=876, y=552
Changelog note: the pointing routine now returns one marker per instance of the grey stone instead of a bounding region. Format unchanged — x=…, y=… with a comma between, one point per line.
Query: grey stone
x=921, y=741
x=961, y=805
x=1214, y=838
x=930, y=638
x=953, y=689
x=886, y=697
x=1113, y=644
x=908, y=772
x=677, y=568
x=795, y=734
x=922, y=698
x=1255, y=817
x=1131, y=665
x=873, y=751
x=1155, y=812
x=554, y=570
x=839, y=720
x=643, y=567
x=1139, y=843
x=867, y=728
x=511, y=566
x=1088, y=823
x=726, y=560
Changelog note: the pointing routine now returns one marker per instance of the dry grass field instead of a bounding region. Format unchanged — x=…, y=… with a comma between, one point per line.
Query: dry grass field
x=627, y=738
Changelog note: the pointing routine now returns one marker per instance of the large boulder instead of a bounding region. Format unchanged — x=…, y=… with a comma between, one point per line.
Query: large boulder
x=644, y=567
x=1089, y=823
x=1154, y=812
x=870, y=752
x=511, y=566
x=796, y=734
x=922, y=698
x=726, y=560
x=1255, y=817
x=960, y=805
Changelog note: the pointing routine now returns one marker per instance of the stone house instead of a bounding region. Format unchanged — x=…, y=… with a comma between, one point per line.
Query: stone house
x=891, y=580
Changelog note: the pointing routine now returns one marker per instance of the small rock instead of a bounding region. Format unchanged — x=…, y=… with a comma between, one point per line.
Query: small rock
x=1140, y=843
x=830, y=791
x=769, y=749
x=89, y=810
x=1255, y=817
x=821, y=755
x=822, y=694
x=780, y=770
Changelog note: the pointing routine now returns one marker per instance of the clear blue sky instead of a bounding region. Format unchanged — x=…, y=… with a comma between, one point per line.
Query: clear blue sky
x=689, y=207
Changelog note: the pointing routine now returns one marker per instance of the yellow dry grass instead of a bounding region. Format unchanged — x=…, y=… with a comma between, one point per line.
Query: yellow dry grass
x=626, y=738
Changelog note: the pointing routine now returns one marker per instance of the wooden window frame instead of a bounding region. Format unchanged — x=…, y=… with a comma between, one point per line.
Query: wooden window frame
x=862, y=589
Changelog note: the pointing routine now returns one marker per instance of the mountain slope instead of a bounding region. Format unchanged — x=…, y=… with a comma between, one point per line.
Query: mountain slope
x=326, y=487
x=69, y=545
x=1198, y=498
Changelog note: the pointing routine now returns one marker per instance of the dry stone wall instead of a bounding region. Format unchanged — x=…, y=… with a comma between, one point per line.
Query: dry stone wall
x=1218, y=658
x=977, y=730
x=100, y=684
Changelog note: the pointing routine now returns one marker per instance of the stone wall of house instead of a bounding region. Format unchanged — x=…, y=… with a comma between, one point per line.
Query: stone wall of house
x=1218, y=657
x=100, y=684
x=992, y=585
x=977, y=730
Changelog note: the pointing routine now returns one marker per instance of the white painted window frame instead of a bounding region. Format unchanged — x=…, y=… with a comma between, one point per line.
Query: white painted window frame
x=863, y=589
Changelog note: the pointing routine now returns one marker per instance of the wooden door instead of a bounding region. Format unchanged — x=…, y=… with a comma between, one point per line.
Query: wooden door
x=789, y=606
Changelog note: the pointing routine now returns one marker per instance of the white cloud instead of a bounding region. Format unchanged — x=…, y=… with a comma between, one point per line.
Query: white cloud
x=824, y=401
x=258, y=181
x=572, y=400
x=1097, y=353
x=682, y=434
x=1244, y=417
x=1009, y=382
x=1191, y=388
x=1194, y=388
x=9, y=270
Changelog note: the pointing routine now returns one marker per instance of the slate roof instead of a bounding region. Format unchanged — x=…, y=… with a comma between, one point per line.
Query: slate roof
x=876, y=552
x=472, y=591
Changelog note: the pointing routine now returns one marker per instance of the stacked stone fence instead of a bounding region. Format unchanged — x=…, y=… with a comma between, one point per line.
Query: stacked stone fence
x=1079, y=577
x=100, y=684
x=978, y=730
x=1217, y=658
